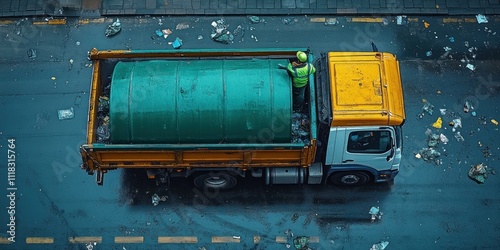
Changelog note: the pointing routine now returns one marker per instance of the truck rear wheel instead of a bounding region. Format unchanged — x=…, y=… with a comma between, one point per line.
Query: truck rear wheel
x=350, y=178
x=220, y=180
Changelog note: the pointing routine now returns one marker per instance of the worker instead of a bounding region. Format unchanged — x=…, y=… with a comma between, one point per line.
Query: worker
x=299, y=70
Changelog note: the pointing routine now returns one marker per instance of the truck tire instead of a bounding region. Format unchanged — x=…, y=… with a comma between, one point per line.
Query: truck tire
x=349, y=178
x=220, y=181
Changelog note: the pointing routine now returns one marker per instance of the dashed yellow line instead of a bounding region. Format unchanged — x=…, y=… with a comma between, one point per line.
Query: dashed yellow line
x=177, y=239
x=367, y=20
x=4, y=240
x=317, y=20
x=39, y=240
x=85, y=239
x=4, y=22
x=314, y=239
x=412, y=19
x=51, y=22
x=129, y=239
x=94, y=20
x=281, y=239
x=225, y=239
x=458, y=20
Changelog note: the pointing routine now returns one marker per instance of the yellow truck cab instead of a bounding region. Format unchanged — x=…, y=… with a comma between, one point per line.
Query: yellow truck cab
x=215, y=116
x=360, y=114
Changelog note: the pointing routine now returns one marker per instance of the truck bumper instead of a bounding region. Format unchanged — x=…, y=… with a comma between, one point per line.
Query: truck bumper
x=384, y=176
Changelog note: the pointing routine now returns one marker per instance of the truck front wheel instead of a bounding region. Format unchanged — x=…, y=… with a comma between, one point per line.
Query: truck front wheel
x=220, y=181
x=349, y=178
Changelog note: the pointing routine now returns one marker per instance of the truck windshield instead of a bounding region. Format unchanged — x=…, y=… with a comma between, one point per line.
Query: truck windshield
x=373, y=142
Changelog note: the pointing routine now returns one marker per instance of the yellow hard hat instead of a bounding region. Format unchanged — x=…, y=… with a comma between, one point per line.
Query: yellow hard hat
x=302, y=56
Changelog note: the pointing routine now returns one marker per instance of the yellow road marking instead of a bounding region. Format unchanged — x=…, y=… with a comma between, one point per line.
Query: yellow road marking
x=225, y=239
x=6, y=21
x=129, y=239
x=39, y=240
x=85, y=239
x=414, y=19
x=318, y=20
x=281, y=239
x=256, y=239
x=177, y=239
x=4, y=240
x=95, y=20
x=51, y=22
x=314, y=239
x=367, y=20
x=458, y=20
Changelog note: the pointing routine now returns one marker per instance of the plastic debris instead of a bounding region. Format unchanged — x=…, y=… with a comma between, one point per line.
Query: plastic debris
x=426, y=24
x=438, y=123
x=380, y=246
x=481, y=18
x=177, y=43
x=289, y=21
x=103, y=105
x=478, y=173
x=255, y=19
x=200, y=37
x=471, y=66
x=456, y=123
x=400, y=20
x=155, y=199
x=159, y=33
x=459, y=137
x=53, y=78
x=220, y=32
x=65, y=114
x=443, y=139
x=473, y=113
x=114, y=28
x=428, y=107
x=32, y=53
x=433, y=140
x=467, y=107
x=331, y=21
x=301, y=243
x=429, y=155
x=442, y=111
x=452, y=39
x=494, y=121
x=182, y=26
x=300, y=128
x=375, y=213
x=428, y=53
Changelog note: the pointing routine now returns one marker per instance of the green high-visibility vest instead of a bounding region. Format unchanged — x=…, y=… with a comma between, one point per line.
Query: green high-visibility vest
x=300, y=74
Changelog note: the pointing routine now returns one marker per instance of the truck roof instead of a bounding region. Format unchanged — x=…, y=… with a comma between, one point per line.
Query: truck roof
x=365, y=88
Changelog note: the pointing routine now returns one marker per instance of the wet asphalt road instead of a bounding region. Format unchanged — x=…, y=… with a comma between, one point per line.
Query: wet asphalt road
x=429, y=206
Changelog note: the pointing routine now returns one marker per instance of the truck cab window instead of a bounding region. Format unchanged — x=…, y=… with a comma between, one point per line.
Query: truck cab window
x=373, y=142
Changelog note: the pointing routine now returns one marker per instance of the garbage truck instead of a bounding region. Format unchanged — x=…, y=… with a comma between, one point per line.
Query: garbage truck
x=217, y=116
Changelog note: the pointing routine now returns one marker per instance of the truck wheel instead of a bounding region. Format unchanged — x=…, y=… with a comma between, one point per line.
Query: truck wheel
x=220, y=181
x=349, y=178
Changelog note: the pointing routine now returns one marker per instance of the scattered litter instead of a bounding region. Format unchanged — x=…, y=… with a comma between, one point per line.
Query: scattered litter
x=200, y=37
x=468, y=107
x=156, y=199
x=428, y=107
x=400, y=20
x=53, y=78
x=481, y=18
x=331, y=21
x=182, y=26
x=482, y=120
x=160, y=22
x=478, y=173
x=159, y=33
x=77, y=43
x=220, y=32
x=459, y=137
x=452, y=39
x=289, y=21
x=380, y=246
x=65, y=114
x=103, y=105
x=470, y=66
x=103, y=132
x=177, y=43
x=473, y=113
x=442, y=111
x=375, y=213
x=428, y=53
x=456, y=123
x=418, y=155
x=300, y=128
x=443, y=139
x=255, y=19
x=438, y=123
x=429, y=155
x=114, y=28
x=90, y=245
x=426, y=24
x=32, y=53
x=433, y=140
x=236, y=237
x=494, y=121
x=301, y=243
